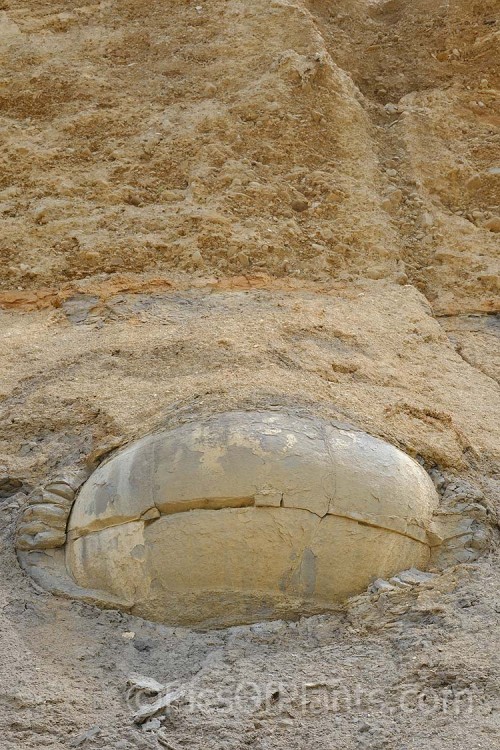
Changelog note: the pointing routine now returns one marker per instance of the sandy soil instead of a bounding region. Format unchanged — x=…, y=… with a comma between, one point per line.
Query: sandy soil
x=222, y=204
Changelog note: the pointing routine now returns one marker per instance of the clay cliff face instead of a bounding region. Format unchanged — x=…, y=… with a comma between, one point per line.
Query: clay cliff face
x=219, y=206
x=300, y=140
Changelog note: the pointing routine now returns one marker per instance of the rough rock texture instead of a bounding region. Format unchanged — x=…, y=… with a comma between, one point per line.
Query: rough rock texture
x=219, y=205
x=292, y=138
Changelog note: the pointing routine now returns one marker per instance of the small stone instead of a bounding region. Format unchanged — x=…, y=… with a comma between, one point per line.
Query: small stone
x=142, y=644
x=150, y=142
x=379, y=586
x=376, y=273
x=26, y=448
x=493, y=224
x=172, y=195
x=197, y=258
x=326, y=233
x=243, y=259
x=82, y=738
x=151, y=725
x=473, y=182
x=300, y=204
x=128, y=635
x=467, y=601
x=40, y=215
x=133, y=199
x=414, y=577
x=13, y=506
x=480, y=540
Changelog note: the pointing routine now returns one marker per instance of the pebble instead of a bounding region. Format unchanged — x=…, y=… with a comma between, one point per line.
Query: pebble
x=473, y=182
x=376, y=273
x=300, y=204
x=380, y=585
x=82, y=738
x=197, y=258
x=133, y=199
x=141, y=644
x=151, y=725
x=413, y=577
x=243, y=259
x=326, y=233
x=493, y=224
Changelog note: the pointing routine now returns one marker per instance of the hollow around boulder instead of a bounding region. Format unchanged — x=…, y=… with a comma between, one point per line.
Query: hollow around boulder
x=246, y=516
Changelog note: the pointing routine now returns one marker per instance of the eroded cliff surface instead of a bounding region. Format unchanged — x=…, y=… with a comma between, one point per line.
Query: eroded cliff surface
x=213, y=206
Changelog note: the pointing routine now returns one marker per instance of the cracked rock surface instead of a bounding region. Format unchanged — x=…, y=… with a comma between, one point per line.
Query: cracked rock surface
x=258, y=515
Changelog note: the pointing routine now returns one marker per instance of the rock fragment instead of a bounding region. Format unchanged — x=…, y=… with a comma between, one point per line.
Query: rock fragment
x=81, y=739
x=493, y=224
x=300, y=204
x=50, y=539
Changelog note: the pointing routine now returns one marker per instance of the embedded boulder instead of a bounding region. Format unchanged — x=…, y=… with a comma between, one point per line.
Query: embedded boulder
x=246, y=516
